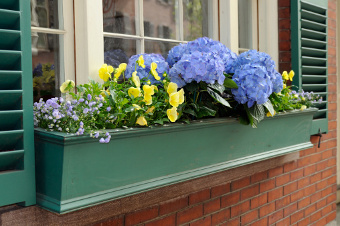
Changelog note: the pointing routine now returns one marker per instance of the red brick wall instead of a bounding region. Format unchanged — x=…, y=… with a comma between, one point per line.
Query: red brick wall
x=301, y=192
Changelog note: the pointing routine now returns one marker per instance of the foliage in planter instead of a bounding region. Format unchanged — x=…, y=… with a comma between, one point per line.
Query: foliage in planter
x=213, y=82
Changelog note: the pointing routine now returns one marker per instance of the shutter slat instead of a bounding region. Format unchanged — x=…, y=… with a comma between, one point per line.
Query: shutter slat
x=310, y=34
x=311, y=25
x=317, y=9
x=314, y=87
x=9, y=19
x=11, y=120
x=312, y=52
x=9, y=4
x=313, y=16
x=313, y=79
x=10, y=80
x=314, y=61
x=313, y=70
x=10, y=40
x=311, y=43
x=9, y=159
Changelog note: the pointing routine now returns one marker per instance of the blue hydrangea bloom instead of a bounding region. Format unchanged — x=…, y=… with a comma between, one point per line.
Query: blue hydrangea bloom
x=206, y=45
x=254, y=84
x=162, y=66
x=198, y=66
x=254, y=57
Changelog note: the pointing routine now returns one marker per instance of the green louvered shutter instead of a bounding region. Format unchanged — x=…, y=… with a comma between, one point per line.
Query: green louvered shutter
x=17, y=180
x=309, y=53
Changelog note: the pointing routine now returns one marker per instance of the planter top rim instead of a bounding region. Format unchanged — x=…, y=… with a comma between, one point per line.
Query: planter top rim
x=115, y=133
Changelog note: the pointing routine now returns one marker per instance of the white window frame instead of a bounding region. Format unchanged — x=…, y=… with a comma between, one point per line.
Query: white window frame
x=66, y=39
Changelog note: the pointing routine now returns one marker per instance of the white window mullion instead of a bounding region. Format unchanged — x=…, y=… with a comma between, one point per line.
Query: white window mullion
x=140, y=26
x=229, y=24
x=180, y=19
x=89, y=39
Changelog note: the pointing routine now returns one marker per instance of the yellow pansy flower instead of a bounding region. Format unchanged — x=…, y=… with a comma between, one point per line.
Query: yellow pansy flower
x=105, y=92
x=174, y=99
x=172, y=114
x=140, y=61
x=291, y=75
x=135, y=79
x=120, y=70
x=172, y=87
x=150, y=110
x=136, y=106
x=135, y=92
x=141, y=121
x=65, y=85
x=285, y=75
x=148, y=90
x=105, y=72
x=284, y=86
x=147, y=99
x=154, y=72
x=303, y=107
x=181, y=96
x=270, y=115
x=154, y=88
x=148, y=82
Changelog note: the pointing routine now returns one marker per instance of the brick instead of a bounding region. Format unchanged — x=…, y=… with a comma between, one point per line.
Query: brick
x=290, y=166
x=326, y=192
x=315, y=158
x=322, y=221
x=275, y=194
x=285, y=56
x=281, y=180
x=331, y=198
x=321, y=185
x=275, y=172
x=284, y=24
x=321, y=203
x=235, y=185
x=262, y=222
x=249, y=217
x=284, y=13
x=326, y=210
x=190, y=214
x=326, y=173
x=314, y=139
x=289, y=188
x=250, y=192
x=284, y=222
x=240, y=208
x=331, y=217
x=315, y=216
x=259, y=177
x=258, y=201
x=296, y=195
x=173, y=206
x=304, y=182
x=289, y=209
x=283, y=3
x=331, y=162
x=314, y=178
x=283, y=202
x=331, y=180
x=117, y=221
x=309, y=190
x=296, y=175
x=309, y=210
x=309, y=170
x=169, y=220
x=212, y=206
x=267, y=209
x=230, y=199
x=141, y=216
x=303, y=202
x=278, y=215
x=296, y=217
x=199, y=196
x=220, y=217
x=267, y=185
x=234, y=222
x=304, y=161
x=202, y=222
x=304, y=222
x=315, y=197
x=220, y=190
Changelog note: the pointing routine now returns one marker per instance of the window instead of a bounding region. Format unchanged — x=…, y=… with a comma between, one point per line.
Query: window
x=52, y=40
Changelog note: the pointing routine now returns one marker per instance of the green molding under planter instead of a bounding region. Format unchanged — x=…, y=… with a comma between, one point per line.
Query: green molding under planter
x=74, y=172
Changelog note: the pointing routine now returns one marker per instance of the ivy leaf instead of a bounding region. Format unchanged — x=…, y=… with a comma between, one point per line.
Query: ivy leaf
x=217, y=87
x=229, y=83
x=269, y=107
x=205, y=111
x=218, y=98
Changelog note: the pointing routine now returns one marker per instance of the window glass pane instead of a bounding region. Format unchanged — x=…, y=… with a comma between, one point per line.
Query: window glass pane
x=117, y=50
x=195, y=13
x=160, y=19
x=119, y=16
x=45, y=13
x=46, y=66
x=159, y=47
x=245, y=20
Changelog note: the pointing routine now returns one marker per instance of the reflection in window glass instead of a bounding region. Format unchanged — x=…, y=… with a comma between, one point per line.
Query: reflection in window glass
x=159, y=47
x=117, y=50
x=45, y=13
x=195, y=22
x=119, y=16
x=160, y=19
x=46, y=66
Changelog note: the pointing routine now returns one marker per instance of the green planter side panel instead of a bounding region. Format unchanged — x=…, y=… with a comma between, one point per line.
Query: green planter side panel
x=17, y=177
x=309, y=42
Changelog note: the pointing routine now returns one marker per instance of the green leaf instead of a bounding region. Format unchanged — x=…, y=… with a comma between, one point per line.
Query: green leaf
x=130, y=109
x=192, y=87
x=218, y=98
x=257, y=113
x=269, y=107
x=125, y=101
x=229, y=83
x=205, y=111
x=217, y=87
x=190, y=111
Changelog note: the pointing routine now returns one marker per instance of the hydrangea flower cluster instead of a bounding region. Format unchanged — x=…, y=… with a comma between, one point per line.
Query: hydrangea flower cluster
x=258, y=87
x=56, y=114
x=144, y=72
x=198, y=66
x=200, y=60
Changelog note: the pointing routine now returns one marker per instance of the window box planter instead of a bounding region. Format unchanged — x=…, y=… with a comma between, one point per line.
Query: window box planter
x=74, y=172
